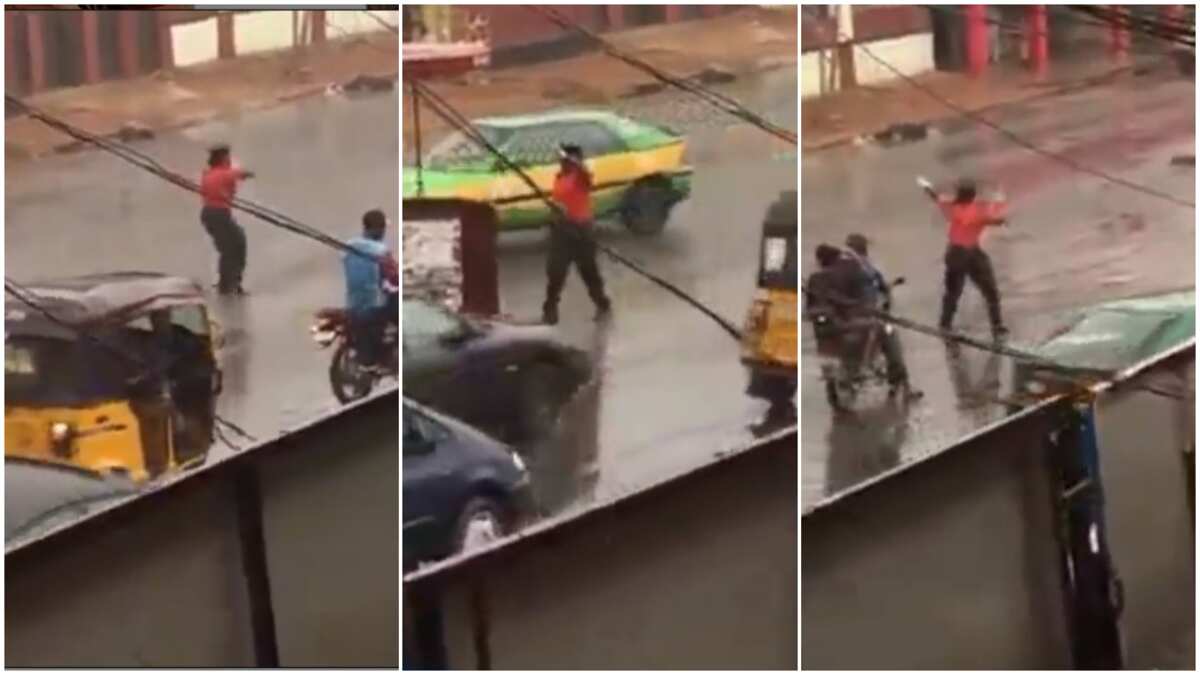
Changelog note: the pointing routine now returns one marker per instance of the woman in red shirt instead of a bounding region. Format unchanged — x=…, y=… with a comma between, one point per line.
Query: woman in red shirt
x=218, y=185
x=571, y=241
x=964, y=258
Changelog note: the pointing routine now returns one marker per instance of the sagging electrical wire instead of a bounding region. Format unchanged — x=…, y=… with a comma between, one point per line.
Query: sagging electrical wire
x=1129, y=21
x=1019, y=29
x=714, y=98
x=1017, y=139
x=151, y=165
x=380, y=20
x=1071, y=373
x=29, y=299
x=452, y=117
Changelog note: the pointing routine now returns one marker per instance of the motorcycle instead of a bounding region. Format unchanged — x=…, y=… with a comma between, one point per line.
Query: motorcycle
x=847, y=367
x=347, y=376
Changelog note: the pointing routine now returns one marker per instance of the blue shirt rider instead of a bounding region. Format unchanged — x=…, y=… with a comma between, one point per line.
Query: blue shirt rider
x=366, y=303
x=856, y=245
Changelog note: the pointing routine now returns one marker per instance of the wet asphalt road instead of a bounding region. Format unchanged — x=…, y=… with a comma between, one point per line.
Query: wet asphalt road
x=671, y=397
x=1073, y=240
x=90, y=212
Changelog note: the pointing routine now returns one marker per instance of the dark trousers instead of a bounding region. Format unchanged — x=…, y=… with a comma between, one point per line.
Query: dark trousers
x=367, y=328
x=964, y=263
x=566, y=247
x=230, y=241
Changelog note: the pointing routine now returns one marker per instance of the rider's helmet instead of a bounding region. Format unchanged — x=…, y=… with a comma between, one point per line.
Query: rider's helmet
x=964, y=190
x=374, y=224
x=857, y=243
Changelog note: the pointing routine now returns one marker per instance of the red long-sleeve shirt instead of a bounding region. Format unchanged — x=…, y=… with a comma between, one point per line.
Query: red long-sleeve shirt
x=967, y=221
x=218, y=185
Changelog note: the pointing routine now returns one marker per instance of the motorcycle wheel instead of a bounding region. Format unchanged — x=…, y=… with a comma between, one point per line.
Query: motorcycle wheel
x=831, y=393
x=348, y=381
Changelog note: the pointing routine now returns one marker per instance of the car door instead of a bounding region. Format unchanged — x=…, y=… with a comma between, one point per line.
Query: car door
x=431, y=490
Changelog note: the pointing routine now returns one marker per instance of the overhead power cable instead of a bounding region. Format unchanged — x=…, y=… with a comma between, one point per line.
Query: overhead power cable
x=1129, y=21
x=1062, y=159
x=1072, y=373
x=151, y=165
x=1020, y=29
x=29, y=298
x=452, y=117
x=714, y=98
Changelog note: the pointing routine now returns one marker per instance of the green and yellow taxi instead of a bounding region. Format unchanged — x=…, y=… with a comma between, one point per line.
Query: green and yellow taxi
x=638, y=169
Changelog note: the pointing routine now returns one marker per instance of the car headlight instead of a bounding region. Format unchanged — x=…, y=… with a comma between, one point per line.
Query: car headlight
x=518, y=462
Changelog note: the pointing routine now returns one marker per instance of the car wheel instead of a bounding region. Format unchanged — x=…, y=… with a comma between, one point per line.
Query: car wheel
x=647, y=207
x=480, y=523
x=541, y=400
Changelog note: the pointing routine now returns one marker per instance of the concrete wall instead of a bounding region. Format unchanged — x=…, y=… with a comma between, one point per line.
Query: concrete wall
x=169, y=579
x=699, y=572
x=1143, y=437
x=255, y=32
x=951, y=562
x=948, y=564
x=910, y=54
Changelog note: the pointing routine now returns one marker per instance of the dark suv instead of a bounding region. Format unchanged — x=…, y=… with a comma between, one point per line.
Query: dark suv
x=461, y=488
x=505, y=379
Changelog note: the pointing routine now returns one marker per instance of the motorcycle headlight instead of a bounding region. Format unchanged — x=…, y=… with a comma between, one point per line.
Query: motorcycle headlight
x=60, y=431
x=61, y=436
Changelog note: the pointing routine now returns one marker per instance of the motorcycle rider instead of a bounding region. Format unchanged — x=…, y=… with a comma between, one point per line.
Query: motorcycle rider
x=368, y=307
x=838, y=299
x=880, y=294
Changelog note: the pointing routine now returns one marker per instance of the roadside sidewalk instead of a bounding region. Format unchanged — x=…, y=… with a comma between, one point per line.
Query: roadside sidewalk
x=187, y=96
x=847, y=117
x=751, y=40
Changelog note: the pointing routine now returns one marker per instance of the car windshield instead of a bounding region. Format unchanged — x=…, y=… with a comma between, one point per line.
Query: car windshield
x=40, y=371
x=456, y=151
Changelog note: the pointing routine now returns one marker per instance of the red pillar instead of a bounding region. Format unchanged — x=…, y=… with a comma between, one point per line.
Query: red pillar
x=225, y=46
x=37, y=51
x=89, y=25
x=616, y=16
x=166, y=48
x=127, y=42
x=1118, y=36
x=318, y=26
x=977, y=39
x=1038, y=36
x=11, y=74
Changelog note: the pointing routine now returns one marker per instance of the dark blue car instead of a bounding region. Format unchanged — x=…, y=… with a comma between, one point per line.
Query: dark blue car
x=462, y=488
